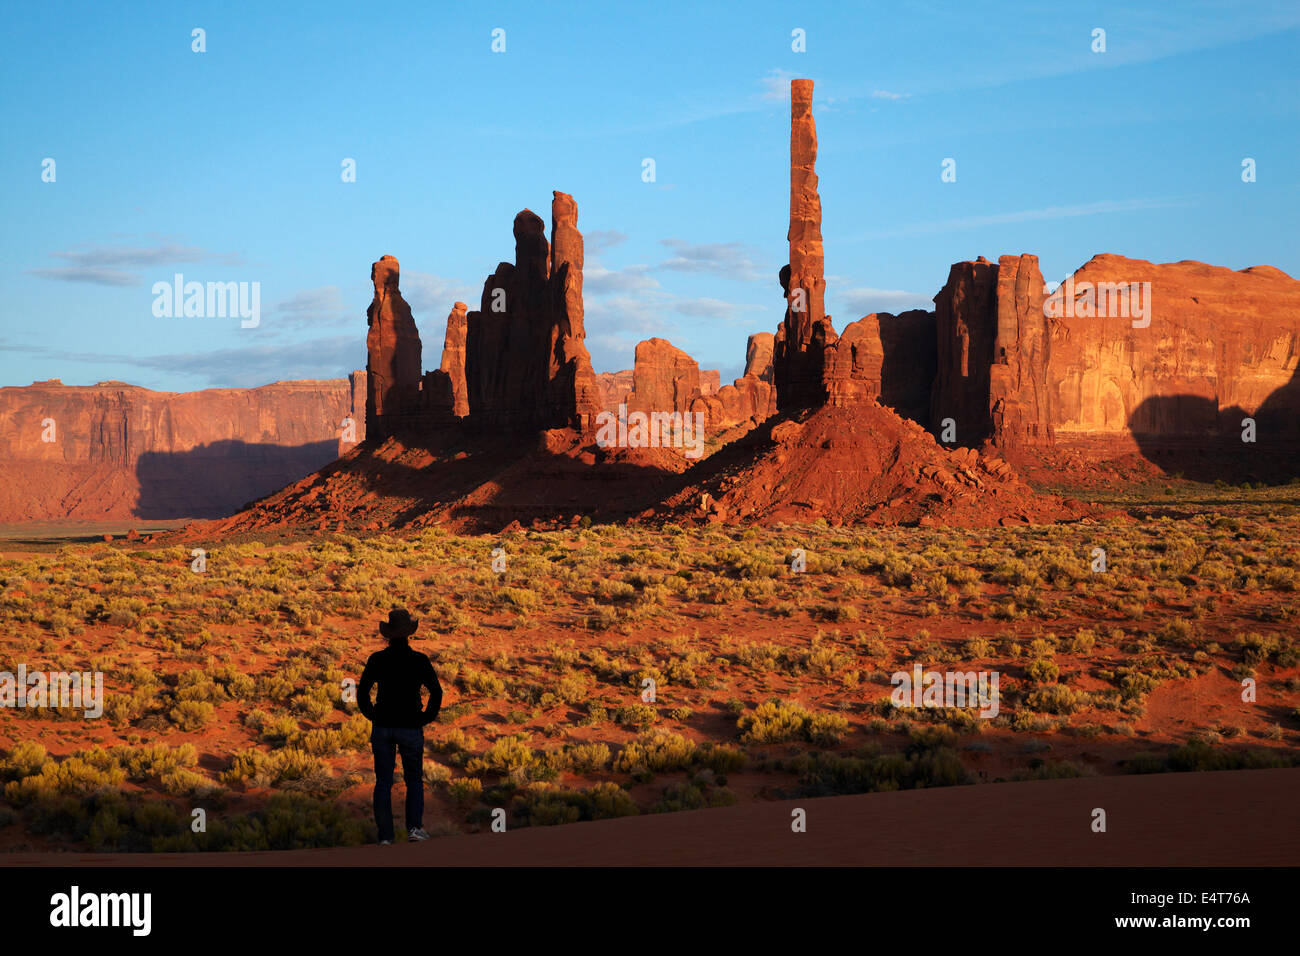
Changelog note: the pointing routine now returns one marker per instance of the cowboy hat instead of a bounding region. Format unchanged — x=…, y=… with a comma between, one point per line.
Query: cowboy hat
x=399, y=624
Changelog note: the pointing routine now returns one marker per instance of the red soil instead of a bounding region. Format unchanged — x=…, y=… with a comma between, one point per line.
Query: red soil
x=861, y=464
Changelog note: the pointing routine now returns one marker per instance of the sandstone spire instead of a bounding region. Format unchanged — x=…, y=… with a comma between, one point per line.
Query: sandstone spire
x=574, y=394
x=798, y=362
x=453, y=359
x=393, y=347
x=526, y=365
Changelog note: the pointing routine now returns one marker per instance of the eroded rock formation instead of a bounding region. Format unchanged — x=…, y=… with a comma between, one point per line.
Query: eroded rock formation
x=664, y=378
x=393, y=364
x=1124, y=347
x=1214, y=343
x=453, y=358
x=993, y=343
x=614, y=389
x=748, y=400
x=882, y=357
x=803, y=334
x=526, y=365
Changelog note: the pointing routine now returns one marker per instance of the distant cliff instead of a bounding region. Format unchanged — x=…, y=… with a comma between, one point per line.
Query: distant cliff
x=116, y=451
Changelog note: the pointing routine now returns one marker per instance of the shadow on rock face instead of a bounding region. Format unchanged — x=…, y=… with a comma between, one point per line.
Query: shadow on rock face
x=1191, y=436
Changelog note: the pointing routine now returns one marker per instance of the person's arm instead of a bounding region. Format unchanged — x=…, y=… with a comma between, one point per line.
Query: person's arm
x=363, y=692
x=435, y=693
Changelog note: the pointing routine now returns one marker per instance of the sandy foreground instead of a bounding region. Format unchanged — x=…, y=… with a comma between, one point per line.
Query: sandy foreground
x=1228, y=818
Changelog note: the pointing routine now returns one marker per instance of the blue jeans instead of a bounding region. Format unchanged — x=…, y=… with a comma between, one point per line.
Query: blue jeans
x=387, y=743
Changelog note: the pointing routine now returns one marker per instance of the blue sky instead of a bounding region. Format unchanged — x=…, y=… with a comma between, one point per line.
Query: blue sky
x=225, y=165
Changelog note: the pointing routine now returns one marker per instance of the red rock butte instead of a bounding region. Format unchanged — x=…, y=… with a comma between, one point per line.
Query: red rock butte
x=821, y=425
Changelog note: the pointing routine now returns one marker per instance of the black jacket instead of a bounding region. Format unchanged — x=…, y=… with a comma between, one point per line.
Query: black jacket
x=400, y=672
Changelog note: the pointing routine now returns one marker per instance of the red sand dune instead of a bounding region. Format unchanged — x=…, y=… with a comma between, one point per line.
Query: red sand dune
x=1228, y=818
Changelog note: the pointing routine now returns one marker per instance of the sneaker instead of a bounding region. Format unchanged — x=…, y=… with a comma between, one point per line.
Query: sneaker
x=385, y=842
x=418, y=833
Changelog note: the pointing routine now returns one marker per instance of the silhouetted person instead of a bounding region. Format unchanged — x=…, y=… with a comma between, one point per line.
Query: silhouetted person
x=399, y=720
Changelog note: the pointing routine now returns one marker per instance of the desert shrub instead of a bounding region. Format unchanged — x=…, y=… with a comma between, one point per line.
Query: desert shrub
x=154, y=760
x=657, y=752
x=1257, y=648
x=314, y=703
x=71, y=776
x=1201, y=756
x=764, y=657
x=826, y=730
x=572, y=687
x=191, y=715
x=588, y=758
x=543, y=805
x=238, y=685
x=198, y=686
x=1042, y=670
x=275, y=729
x=1134, y=685
x=293, y=821
x=25, y=758
x=692, y=796
x=1054, y=770
x=183, y=783
x=354, y=734
x=837, y=613
x=1083, y=641
x=480, y=682
x=453, y=741
x=607, y=800
x=436, y=773
x=611, y=591
x=1054, y=699
x=256, y=768
x=773, y=722
x=826, y=774
x=521, y=598
x=639, y=717
x=719, y=758
x=274, y=687
x=466, y=790
x=506, y=755
x=824, y=661
x=777, y=721
x=1026, y=722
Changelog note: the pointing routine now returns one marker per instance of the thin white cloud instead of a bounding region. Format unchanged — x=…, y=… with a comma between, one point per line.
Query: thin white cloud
x=431, y=296
x=728, y=260
x=887, y=95
x=161, y=254
x=706, y=307
x=89, y=274
x=322, y=358
x=864, y=300
x=104, y=265
x=1025, y=215
x=597, y=280
x=323, y=307
x=776, y=85
x=602, y=240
